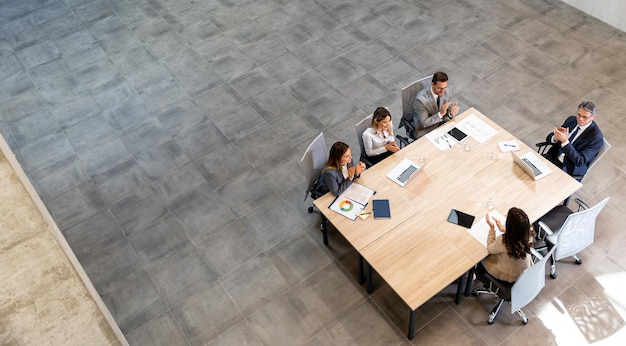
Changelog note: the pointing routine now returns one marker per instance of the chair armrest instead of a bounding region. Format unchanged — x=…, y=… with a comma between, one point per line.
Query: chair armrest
x=543, y=228
x=536, y=254
x=542, y=147
x=581, y=205
x=404, y=141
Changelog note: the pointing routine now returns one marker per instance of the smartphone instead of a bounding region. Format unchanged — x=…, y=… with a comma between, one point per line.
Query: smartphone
x=460, y=218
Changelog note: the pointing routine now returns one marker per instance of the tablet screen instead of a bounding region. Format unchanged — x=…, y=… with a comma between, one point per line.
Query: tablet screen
x=460, y=218
x=457, y=134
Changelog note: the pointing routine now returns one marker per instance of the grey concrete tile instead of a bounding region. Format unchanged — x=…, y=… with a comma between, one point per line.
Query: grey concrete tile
x=97, y=74
x=239, y=121
x=506, y=45
x=109, y=269
x=537, y=63
x=297, y=126
x=10, y=65
x=261, y=145
x=38, y=53
x=511, y=81
x=206, y=314
x=222, y=97
x=271, y=222
x=416, y=32
x=331, y=108
x=113, y=92
x=532, y=31
x=394, y=74
x=33, y=127
x=571, y=83
x=253, y=83
x=588, y=34
x=254, y=284
x=76, y=204
x=25, y=103
x=125, y=115
x=285, y=68
x=363, y=90
x=227, y=247
x=106, y=26
x=426, y=59
x=264, y=50
x=274, y=104
x=241, y=334
x=74, y=42
x=61, y=89
x=478, y=28
x=364, y=325
x=200, y=32
x=201, y=140
x=15, y=84
x=283, y=171
x=162, y=331
x=201, y=212
x=148, y=133
x=181, y=181
x=93, y=234
x=183, y=61
x=133, y=59
x=297, y=36
x=309, y=86
x=140, y=209
x=61, y=176
x=288, y=257
x=215, y=49
x=242, y=201
x=480, y=61
x=200, y=80
x=232, y=64
x=223, y=164
x=120, y=181
x=61, y=26
x=161, y=160
x=340, y=71
x=85, y=57
x=23, y=33
x=180, y=274
x=46, y=151
x=398, y=13
x=316, y=53
x=247, y=33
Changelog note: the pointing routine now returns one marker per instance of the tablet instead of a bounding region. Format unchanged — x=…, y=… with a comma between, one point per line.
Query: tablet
x=460, y=218
x=457, y=134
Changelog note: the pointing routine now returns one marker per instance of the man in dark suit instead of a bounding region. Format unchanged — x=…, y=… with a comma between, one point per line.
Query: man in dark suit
x=577, y=142
x=433, y=106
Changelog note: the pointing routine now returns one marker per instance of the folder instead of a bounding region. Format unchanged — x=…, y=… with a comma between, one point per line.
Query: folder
x=381, y=208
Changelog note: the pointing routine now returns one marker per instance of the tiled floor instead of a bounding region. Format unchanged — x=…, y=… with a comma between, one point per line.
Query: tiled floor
x=164, y=137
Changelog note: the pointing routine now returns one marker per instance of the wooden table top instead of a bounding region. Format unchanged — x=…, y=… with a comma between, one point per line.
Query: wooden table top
x=416, y=251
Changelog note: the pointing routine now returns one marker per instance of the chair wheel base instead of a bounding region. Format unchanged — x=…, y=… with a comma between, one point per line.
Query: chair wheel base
x=553, y=276
x=310, y=210
x=578, y=261
x=525, y=321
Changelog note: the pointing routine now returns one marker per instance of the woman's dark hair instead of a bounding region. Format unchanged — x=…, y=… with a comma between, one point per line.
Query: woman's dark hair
x=518, y=233
x=334, y=157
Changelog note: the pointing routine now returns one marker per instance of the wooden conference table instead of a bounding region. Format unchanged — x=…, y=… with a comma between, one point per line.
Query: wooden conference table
x=416, y=251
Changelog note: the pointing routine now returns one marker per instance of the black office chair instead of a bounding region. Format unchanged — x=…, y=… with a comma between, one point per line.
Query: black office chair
x=519, y=293
x=572, y=231
x=408, y=99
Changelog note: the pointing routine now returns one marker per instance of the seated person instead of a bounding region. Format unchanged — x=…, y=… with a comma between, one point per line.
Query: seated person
x=339, y=171
x=577, y=142
x=433, y=106
x=378, y=139
x=509, y=253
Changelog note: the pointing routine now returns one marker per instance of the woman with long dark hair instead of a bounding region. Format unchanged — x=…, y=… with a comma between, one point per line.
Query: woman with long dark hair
x=339, y=171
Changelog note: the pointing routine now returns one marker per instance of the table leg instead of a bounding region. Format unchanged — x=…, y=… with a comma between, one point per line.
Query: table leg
x=460, y=289
x=361, y=273
x=370, y=285
x=324, y=227
x=470, y=281
x=412, y=325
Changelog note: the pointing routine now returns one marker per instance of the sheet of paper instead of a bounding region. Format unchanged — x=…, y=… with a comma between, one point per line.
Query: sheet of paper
x=480, y=229
x=506, y=146
x=478, y=129
x=358, y=193
x=346, y=207
x=440, y=139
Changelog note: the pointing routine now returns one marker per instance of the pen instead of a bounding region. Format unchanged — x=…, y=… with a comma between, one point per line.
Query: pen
x=365, y=213
x=447, y=142
x=510, y=145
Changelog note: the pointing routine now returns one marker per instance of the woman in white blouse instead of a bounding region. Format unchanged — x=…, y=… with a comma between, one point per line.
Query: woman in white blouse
x=378, y=139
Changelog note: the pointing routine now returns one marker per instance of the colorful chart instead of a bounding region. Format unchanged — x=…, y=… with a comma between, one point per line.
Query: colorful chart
x=346, y=206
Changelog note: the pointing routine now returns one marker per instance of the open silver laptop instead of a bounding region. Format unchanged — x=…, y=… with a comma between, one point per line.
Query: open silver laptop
x=532, y=165
x=404, y=171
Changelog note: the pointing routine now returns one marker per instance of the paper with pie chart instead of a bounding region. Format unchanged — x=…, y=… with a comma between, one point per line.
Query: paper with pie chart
x=352, y=201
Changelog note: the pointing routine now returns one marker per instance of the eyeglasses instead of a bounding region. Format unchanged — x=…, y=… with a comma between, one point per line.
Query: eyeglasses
x=584, y=117
x=439, y=88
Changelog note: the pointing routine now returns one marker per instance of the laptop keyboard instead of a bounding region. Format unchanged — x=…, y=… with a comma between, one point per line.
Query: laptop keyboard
x=536, y=170
x=404, y=176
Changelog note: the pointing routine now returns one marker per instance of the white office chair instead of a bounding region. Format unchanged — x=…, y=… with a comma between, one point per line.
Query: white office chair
x=543, y=147
x=408, y=110
x=518, y=294
x=312, y=163
x=360, y=127
x=572, y=231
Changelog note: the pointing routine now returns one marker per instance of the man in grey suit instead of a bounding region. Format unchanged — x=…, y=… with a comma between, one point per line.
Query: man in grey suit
x=433, y=106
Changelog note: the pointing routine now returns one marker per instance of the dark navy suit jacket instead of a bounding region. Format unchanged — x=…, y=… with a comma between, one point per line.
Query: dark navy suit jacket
x=581, y=153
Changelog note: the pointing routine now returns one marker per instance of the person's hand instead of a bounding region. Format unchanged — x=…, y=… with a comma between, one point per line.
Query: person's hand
x=489, y=222
x=351, y=172
x=360, y=167
x=454, y=109
x=500, y=226
x=392, y=146
x=561, y=134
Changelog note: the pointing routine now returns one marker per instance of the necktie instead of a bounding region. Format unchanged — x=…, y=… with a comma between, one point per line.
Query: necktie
x=572, y=136
x=439, y=103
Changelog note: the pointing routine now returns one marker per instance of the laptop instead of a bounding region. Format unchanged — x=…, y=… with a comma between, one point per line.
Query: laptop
x=403, y=172
x=532, y=165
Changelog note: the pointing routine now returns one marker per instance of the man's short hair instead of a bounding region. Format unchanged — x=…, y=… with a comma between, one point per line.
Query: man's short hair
x=588, y=106
x=440, y=77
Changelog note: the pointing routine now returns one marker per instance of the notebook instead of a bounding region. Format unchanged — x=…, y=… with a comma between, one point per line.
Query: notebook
x=381, y=208
x=403, y=172
x=532, y=165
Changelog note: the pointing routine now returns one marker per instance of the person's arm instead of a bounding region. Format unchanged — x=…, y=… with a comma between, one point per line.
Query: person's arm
x=335, y=182
x=589, y=152
x=424, y=118
x=370, y=145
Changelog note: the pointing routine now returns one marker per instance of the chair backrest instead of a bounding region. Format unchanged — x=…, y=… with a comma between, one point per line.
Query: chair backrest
x=605, y=147
x=313, y=160
x=360, y=127
x=529, y=284
x=578, y=231
x=408, y=96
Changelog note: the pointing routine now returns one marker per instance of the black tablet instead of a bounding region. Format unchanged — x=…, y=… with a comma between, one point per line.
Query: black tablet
x=460, y=218
x=457, y=134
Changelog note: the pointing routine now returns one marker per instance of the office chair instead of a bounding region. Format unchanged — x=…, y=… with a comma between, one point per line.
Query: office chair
x=360, y=127
x=519, y=293
x=572, y=231
x=543, y=147
x=312, y=163
x=408, y=99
